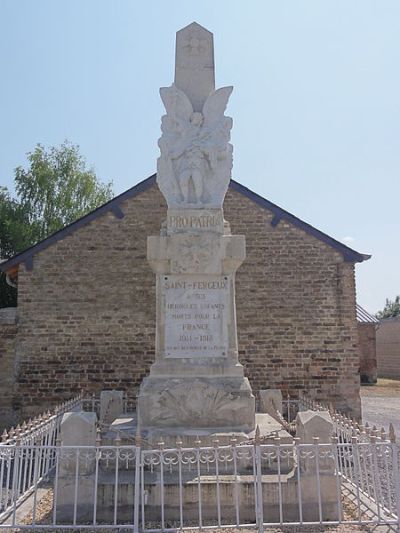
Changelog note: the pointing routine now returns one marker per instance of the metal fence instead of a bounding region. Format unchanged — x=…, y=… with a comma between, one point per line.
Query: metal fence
x=42, y=427
x=219, y=486
x=352, y=480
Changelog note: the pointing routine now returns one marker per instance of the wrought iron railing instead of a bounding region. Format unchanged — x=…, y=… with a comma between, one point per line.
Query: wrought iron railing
x=220, y=486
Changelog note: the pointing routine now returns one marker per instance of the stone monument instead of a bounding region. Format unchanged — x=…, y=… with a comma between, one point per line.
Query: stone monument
x=196, y=383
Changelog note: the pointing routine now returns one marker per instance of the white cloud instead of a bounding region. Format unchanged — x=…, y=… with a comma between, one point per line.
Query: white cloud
x=348, y=240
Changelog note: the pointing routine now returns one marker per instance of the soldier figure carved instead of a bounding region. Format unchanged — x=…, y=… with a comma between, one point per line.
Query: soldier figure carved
x=195, y=164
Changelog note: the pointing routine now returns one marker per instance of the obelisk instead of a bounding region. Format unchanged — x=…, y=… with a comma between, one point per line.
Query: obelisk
x=196, y=382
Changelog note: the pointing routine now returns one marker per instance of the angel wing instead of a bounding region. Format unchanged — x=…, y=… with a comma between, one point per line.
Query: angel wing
x=176, y=103
x=215, y=105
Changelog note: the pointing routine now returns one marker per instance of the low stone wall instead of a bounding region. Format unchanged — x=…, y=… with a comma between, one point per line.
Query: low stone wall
x=388, y=348
x=367, y=349
x=8, y=332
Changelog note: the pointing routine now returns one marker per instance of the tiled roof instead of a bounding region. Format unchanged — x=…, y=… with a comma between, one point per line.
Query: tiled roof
x=364, y=316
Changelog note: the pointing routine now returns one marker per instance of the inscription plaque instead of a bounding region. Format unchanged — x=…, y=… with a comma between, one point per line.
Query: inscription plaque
x=195, y=315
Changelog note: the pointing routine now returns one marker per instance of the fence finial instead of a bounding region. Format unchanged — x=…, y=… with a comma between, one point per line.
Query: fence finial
x=118, y=439
x=215, y=443
x=257, y=438
x=98, y=437
x=197, y=442
x=392, y=434
x=233, y=441
x=4, y=436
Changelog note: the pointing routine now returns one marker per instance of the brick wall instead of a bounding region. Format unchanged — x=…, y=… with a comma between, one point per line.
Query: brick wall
x=295, y=309
x=388, y=348
x=87, y=309
x=8, y=332
x=367, y=350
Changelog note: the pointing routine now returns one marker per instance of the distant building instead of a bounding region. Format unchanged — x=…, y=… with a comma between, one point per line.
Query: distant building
x=388, y=348
x=367, y=325
x=86, y=305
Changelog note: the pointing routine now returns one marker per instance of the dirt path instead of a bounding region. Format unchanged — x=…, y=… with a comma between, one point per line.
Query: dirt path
x=381, y=404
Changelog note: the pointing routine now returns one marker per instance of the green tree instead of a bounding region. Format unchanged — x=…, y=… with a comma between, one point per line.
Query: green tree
x=391, y=309
x=14, y=236
x=55, y=189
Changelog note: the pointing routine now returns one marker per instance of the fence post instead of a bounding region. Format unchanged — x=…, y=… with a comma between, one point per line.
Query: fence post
x=258, y=472
x=396, y=469
x=138, y=462
x=15, y=478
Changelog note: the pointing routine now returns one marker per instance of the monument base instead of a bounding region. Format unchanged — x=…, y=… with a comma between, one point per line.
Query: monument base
x=223, y=403
x=126, y=428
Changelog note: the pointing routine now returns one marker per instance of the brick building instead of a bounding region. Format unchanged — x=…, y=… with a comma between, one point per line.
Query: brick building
x=86, y=305
x=367, y=325
x=388, y=348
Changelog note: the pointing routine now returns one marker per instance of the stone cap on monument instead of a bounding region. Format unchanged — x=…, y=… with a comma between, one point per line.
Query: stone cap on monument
x=194, y=64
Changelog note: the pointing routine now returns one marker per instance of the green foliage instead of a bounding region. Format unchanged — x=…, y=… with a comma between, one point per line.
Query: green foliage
x=15, y=234
x=57, y=188
x=391, y=309
x=54, y=190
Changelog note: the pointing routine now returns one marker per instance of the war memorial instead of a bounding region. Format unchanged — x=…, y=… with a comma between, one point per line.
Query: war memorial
x=196, y=450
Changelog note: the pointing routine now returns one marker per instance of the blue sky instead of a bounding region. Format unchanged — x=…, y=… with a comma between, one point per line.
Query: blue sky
x=316, y=103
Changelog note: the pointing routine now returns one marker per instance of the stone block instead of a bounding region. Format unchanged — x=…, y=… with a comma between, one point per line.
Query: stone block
x=66, y=495
x=111, y=405
x=310, y=424
x=202, y=403
x=271, y=401
x=77, y=429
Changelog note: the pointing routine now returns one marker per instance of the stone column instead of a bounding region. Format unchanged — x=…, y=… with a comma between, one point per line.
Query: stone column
x=316, y=428
x=77, y=431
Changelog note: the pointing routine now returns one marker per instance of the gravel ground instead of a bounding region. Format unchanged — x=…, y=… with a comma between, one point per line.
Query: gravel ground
x=381, y=404
x=44, y=516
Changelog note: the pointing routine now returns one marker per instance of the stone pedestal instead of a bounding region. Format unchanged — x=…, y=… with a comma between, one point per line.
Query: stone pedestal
x=196, y=380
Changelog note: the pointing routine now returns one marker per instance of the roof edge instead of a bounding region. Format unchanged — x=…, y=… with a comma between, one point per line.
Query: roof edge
x=349, y=254
x=112, y=205
x=26, y=256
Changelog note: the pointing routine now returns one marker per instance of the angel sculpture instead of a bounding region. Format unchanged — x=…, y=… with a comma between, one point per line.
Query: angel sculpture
x=195, y=164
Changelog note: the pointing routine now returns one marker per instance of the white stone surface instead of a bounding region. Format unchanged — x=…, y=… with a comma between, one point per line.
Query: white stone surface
x=111, y=405
x=195, y=165
x=213, y=402
x=195, y=221
x=196, y=381
x=195, y=316
x=310, y=424
x=194, y=64
x=77, y=429
x=271, y=401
